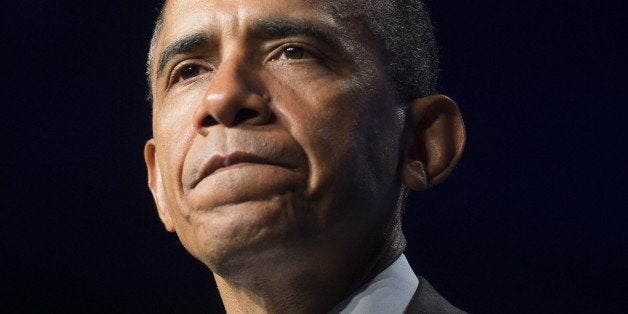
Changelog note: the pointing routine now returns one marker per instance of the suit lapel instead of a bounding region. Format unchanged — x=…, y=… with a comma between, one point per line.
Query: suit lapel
x=427, y=300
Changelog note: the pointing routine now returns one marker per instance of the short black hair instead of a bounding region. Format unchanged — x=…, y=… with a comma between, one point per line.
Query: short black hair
x=405, y=32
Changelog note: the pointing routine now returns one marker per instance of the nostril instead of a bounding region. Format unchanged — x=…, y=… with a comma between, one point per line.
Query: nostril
x=245, y=114
x=208, y=121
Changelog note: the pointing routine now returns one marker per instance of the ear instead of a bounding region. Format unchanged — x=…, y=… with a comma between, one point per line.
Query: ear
x=155, y=184
x=435, y=143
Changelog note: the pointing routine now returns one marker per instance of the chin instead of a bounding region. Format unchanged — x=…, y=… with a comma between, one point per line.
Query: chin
x=233, y=239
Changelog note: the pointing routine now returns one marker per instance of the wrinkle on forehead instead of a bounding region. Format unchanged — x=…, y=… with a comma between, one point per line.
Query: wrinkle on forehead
x=233, y=16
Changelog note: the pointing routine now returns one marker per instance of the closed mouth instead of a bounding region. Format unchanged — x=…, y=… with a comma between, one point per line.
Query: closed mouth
x=218, y=162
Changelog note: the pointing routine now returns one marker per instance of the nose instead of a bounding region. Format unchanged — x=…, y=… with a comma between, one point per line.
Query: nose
x=232, y=98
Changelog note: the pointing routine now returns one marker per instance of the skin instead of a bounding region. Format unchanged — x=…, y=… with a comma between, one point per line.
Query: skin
x=278, y=157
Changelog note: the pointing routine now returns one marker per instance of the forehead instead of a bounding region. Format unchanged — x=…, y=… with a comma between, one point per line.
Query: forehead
x=182, y=16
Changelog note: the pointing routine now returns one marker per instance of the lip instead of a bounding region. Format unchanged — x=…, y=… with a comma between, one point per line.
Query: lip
x=218, y=162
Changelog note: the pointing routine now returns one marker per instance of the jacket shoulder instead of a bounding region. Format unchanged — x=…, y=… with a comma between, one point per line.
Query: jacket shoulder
x=427, y=300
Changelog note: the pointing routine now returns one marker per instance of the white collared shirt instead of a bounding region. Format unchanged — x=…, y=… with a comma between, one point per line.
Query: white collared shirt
x=389, y=292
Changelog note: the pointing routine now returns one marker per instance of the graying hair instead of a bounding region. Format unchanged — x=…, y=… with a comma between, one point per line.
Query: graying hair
x=159, y=23
x=404, y=31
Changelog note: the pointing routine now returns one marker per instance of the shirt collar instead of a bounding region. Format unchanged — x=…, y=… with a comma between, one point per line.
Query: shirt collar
x=388, y=292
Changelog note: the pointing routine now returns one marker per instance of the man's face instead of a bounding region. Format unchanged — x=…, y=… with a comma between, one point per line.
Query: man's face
x=276, y=133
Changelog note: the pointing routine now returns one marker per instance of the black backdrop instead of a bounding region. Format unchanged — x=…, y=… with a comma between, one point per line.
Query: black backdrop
x=533, y=220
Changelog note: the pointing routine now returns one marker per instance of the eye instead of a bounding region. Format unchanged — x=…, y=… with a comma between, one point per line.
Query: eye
x=188, y=71
x=293, y=53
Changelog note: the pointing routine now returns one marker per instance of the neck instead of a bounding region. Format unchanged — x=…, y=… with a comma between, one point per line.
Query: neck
x=278, y=296
x=312, y=285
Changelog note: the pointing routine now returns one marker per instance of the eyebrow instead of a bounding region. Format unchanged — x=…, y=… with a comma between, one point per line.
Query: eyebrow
x=184, y=45
x=286, y=27
x=263, y=29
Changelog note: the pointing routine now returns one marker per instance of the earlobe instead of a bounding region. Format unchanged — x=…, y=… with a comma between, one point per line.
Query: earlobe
x=155, y=184
x=435, y=141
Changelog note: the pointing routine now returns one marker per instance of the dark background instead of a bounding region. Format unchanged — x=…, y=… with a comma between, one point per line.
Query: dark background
x=532, y=221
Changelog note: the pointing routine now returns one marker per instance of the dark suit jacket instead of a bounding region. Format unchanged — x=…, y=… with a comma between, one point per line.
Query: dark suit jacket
x=427, y=300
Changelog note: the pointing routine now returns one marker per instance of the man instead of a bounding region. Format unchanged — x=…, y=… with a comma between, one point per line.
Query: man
x=286, y=133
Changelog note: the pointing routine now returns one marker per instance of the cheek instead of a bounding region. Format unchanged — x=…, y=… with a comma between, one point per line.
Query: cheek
x=173, y=123
x=174, y=134
x=332, y=121
x=173, y=115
